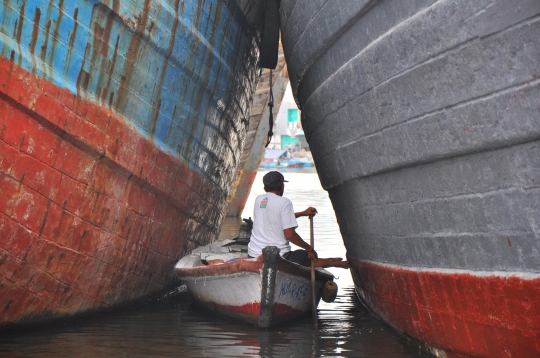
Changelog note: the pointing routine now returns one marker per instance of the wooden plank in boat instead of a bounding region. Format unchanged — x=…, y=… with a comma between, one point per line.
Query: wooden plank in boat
x=225, y=257
x=237, y=248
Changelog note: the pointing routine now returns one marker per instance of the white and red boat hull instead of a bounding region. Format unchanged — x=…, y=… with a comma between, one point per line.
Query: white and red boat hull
x=235, y=289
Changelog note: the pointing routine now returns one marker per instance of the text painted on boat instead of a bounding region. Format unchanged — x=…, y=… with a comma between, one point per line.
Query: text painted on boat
x=294, y=290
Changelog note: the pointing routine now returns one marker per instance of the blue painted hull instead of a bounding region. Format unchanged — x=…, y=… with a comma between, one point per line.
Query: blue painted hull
x=179, y=72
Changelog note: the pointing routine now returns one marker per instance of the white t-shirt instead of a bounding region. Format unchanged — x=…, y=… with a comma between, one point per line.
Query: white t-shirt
x=271, y=215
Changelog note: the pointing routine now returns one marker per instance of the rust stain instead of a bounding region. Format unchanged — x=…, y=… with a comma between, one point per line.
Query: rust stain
x=43, y=53
x=47, y=36
x=156, y=108
x=71, y=41
x=84, y=77
x=35, y=31
x=62, y=258
x=189, y=136
x=98, y=40
x=102, y=37
x=134, y=48
x=8, y=80
x=45, y=218
x=108, y=28
x=57, y=28
x=171, y=125
x=75, y=27
x=97, y=45
x=110, y=72
x=111, y=99
x=17, y=31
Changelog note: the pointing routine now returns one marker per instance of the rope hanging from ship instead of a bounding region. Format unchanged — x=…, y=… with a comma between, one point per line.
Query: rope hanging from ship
x=271, y=114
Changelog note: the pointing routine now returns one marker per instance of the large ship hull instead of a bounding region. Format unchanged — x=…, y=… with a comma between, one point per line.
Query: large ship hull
x=423, y=118
x=121, y=125
x=264, y=108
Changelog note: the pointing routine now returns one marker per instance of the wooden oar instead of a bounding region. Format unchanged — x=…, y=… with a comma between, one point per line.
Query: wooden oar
x=314, y=297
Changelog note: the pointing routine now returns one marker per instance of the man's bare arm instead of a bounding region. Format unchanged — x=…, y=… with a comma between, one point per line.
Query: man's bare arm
x=308, y=212
x=293, y=237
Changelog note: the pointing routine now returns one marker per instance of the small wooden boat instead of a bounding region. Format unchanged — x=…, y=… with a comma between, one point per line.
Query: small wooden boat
x=266, y=291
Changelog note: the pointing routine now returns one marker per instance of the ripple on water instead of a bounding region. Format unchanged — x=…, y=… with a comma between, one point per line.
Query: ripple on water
x=174, y=327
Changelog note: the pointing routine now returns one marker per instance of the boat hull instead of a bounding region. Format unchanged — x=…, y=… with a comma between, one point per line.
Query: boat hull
x=422, y=118
x=120, y=130
x=235, y=289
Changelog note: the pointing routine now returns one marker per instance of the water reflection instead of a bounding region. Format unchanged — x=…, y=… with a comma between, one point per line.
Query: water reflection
x=173, y=327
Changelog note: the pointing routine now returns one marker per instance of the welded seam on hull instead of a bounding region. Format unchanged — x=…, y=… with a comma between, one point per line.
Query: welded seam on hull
x=449, y=235
x=440, y=270
x=372, y=44
x=309, y=23
x=283, y=28
x=490, y=146
x=427, y=61
x=446, y=198
x=458, y=105
x=92, y=152
x=8, y=100
x=63, y=247
x=37, y=294
x=96, y=154
x=329, y=41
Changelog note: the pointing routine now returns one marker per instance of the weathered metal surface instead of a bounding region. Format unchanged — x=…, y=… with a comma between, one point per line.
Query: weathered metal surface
x=270, y=258
x=424, y=123
x=121, y=126
x=257, y=134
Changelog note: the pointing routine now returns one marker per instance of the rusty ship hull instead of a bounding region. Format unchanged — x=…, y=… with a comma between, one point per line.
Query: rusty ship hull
x=423, y=118
x=121, y=125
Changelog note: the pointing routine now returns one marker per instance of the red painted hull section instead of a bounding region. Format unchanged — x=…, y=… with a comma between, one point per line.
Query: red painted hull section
x=464, y=314
x=234, y=288
x=92, y=214
x=250, y=312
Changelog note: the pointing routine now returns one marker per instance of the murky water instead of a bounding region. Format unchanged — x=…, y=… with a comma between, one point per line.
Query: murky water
x=174, y=327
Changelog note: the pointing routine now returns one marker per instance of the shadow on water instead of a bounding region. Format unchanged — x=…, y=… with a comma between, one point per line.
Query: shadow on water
x=172, y=326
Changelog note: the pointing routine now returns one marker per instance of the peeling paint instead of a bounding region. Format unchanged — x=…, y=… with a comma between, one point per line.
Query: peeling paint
x=93, y=176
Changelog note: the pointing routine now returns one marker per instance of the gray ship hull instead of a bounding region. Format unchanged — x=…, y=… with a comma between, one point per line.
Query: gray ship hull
x=423, y=118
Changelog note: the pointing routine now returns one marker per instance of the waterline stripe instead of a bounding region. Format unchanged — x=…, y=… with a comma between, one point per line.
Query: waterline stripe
x=505, y=274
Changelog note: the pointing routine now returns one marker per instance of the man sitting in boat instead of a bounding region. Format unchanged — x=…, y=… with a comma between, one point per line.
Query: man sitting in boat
x=274, y=224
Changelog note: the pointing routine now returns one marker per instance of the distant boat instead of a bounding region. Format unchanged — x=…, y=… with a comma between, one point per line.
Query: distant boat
x=275, y=158
x=306, y=162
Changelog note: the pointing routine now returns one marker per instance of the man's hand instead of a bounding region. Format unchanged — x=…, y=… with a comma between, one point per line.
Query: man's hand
x=312, y=255
x=308, y=212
